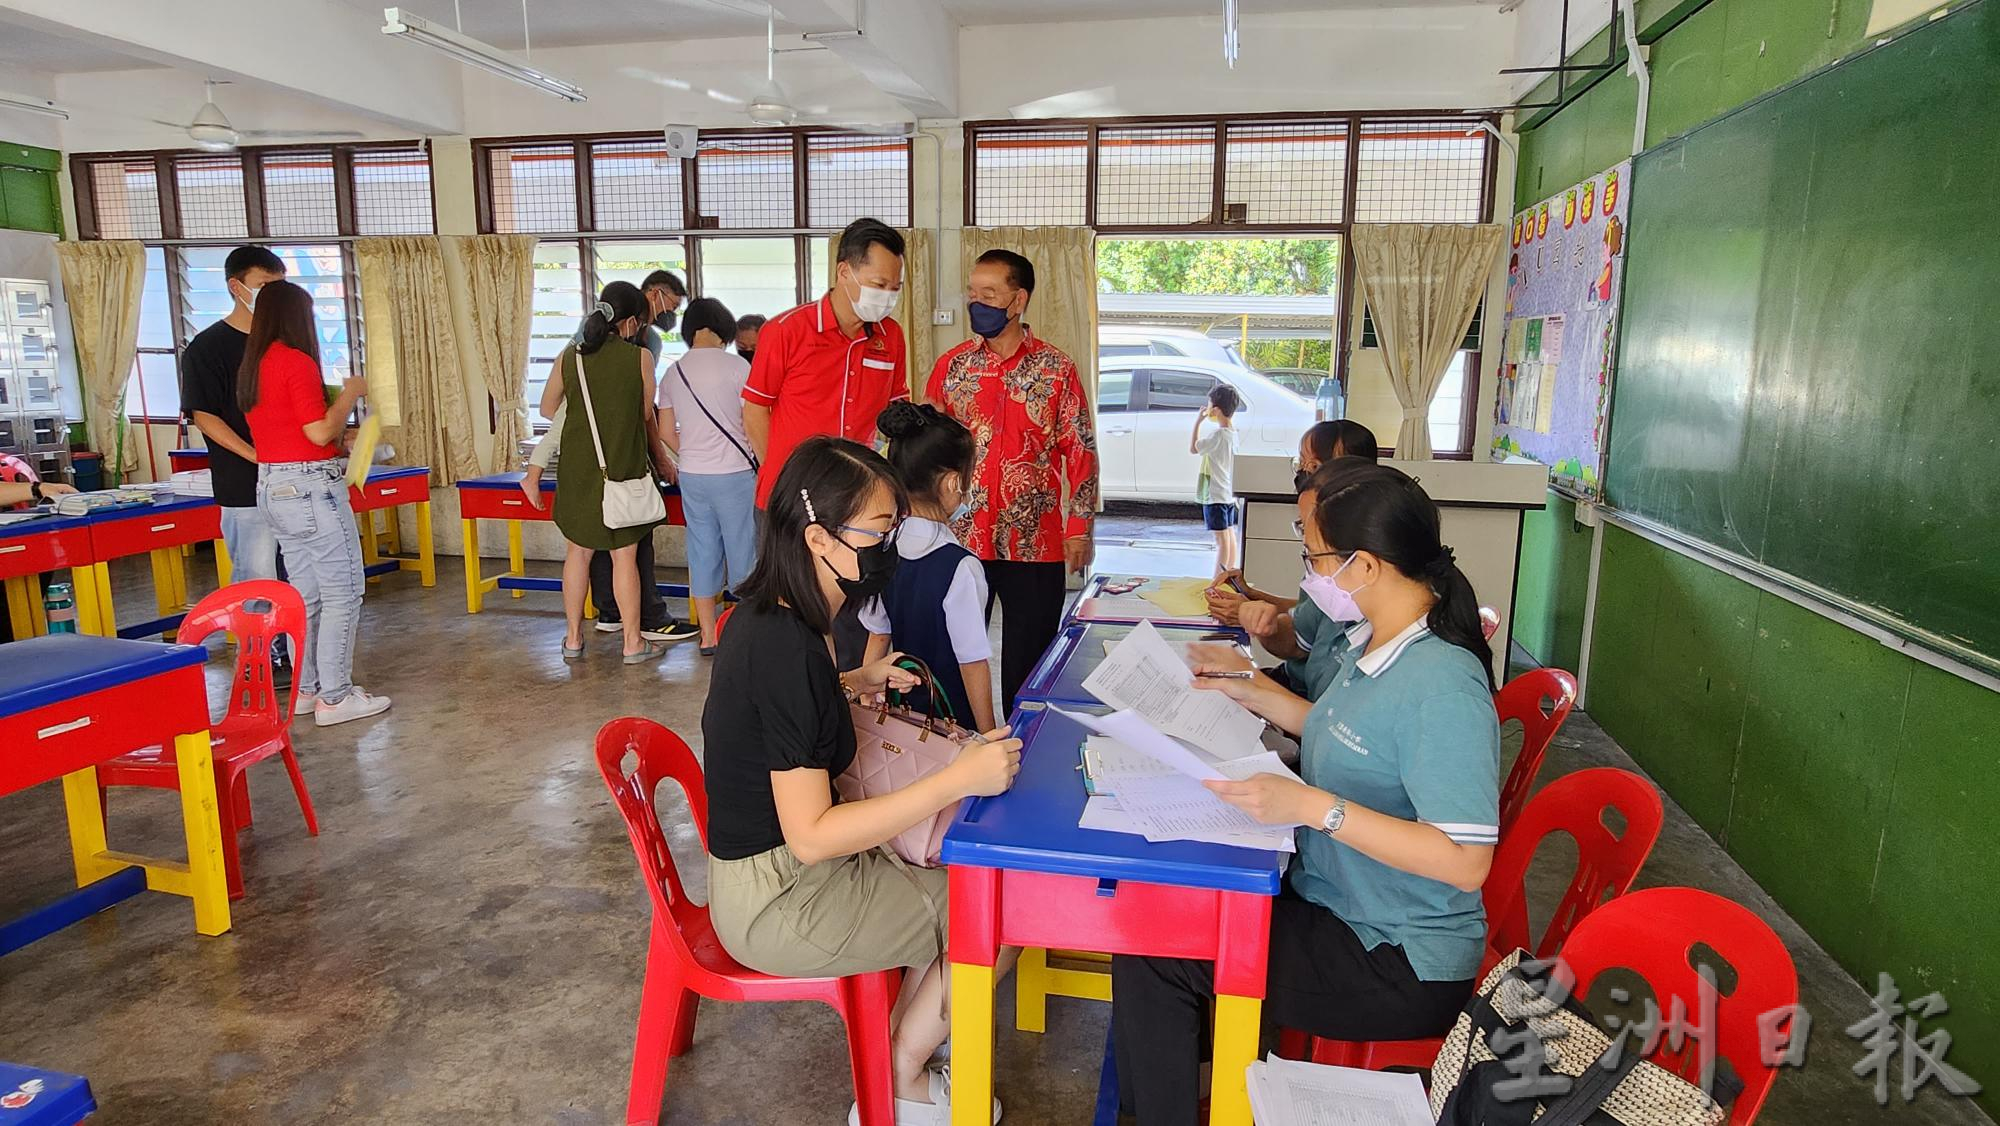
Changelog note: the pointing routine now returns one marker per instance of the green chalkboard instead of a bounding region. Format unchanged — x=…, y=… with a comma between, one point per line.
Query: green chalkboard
x=1809, y=368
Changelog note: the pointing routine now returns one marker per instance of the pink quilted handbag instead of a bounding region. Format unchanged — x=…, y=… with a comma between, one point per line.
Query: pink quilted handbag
x=895, y=746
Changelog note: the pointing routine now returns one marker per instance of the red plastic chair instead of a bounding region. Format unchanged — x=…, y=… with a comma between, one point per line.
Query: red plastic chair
x=686, y=962
x=257, y=723
x=1541, y=700
x=1489, y=622
x=1654, y=934
x=1607, y=861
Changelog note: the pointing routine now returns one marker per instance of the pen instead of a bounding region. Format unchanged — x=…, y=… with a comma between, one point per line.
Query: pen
x=1236, y=674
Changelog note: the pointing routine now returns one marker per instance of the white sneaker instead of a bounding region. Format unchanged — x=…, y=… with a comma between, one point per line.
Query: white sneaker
x=357, y=705
x=937, y=1112
x=304, y=704
x=609, y=627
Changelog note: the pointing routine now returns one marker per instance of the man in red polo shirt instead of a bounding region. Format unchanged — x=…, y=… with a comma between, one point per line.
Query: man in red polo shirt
x=829, y=367
x=1031, y=427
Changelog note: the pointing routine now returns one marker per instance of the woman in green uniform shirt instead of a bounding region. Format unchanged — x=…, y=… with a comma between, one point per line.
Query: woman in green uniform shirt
x=1379, y=930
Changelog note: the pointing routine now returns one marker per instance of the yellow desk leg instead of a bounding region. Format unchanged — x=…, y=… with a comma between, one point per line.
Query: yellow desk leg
x=38, y=613
x=83, y=590
x=471, y=549
x=223, y=567
x=371, y=553
x=181, y=598
x=392, y=530
x=163, y=579
x=1031, y=990
x=18, y=614
x=426, y=551
x=972, y=1045
x=1235, y=1050
x=105, y=623
x=86, y=827
x=517, y=564
x=208, y=885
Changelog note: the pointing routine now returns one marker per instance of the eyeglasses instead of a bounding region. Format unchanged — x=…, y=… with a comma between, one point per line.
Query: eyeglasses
x=872, y=534
x=1307, y=557
x=1299, y=530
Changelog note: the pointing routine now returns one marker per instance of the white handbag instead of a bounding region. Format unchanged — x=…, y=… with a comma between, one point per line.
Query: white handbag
x=628, y=503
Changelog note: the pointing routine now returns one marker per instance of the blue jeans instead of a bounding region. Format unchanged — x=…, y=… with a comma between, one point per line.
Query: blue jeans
x=721, y=511
x=307, y=507
x=253, y=546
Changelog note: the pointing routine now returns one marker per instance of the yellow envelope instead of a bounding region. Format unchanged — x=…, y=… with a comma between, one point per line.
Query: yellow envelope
x=1183, y=598
x=362, y=456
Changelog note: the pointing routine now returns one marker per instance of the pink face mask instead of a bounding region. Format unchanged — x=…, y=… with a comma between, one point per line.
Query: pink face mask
x=1338, y=605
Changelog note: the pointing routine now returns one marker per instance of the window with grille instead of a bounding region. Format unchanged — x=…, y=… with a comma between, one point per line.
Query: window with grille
x=210, y=191
x=533, y=188
x=1030, y=177
x=298, y=194
x=126, y=197
x=747, y=182
x=1286, y=173
x=849, y=177
x=636, y=186
x=558, y=311
x=1155, y=176
x=392, y=191
x=154, y=391
x=1420, y=172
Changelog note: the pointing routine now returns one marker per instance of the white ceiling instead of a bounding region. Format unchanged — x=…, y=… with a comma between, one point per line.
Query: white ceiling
x=570, y=23
x=981, y=12
x=31, y=49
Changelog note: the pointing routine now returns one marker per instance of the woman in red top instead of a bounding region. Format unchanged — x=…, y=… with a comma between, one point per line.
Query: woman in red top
x=302, y=490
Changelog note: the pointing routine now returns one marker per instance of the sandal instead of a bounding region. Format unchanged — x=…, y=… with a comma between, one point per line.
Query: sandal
x=571, y=656
x=652, y=652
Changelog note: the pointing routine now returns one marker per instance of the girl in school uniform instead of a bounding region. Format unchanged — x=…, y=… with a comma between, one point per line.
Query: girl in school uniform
x=1379, y=930
x=799, y=885
x=935, y=610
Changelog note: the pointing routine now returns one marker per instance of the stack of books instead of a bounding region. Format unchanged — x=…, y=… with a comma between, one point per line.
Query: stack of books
x=193, y=483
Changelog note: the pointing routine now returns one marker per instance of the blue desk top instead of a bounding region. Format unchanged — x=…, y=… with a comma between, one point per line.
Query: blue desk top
x=165, y=502
x=394, y=472
x=513, y=481
x=40, y=671
x=48, y=1098
x=1079, y=649
x=41, y=525
x=1032, y=828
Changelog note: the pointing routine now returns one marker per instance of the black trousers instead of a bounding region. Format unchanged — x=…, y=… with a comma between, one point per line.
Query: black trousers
x=1030, y=596
x=1319, y=979
x=653, y=612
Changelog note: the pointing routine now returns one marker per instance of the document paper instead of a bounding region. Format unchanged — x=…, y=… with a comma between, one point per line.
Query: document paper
x=1142, y=674
x=1290, y=1093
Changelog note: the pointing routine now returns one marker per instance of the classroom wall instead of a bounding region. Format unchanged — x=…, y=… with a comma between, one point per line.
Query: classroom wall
x=1853, y=782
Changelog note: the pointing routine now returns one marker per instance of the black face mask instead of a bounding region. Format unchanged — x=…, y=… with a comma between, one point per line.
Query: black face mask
x=1299, y=480
x=877, y=566
x=748, y=354
x=665, y=321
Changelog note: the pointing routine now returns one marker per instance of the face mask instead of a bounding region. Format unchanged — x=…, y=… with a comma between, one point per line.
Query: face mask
x=986, y=320
x=873, y=305
x=1299, y=480
x=250, y=298
x=1338, y=605
x=665, y=321
x=748, y=354
x=963, y=510
x=877, y=564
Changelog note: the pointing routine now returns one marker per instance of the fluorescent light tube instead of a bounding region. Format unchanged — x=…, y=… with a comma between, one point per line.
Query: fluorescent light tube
x=471, y=52
x=33, y=105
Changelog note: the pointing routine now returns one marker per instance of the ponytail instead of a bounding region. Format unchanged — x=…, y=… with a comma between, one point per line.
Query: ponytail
x=1381, y=510
x=619, y=301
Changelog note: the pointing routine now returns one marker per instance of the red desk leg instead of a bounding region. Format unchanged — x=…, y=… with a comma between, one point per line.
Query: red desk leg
x=975, y=946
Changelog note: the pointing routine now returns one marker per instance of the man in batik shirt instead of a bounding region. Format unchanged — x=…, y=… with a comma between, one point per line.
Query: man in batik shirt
x=1034, y=489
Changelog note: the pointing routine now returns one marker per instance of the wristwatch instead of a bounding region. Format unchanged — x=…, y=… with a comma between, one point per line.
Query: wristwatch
x=1335, y=817
x=35, y=491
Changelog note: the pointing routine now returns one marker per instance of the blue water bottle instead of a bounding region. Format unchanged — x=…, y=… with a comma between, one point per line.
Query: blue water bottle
x=1328, y=403
x=59, y=606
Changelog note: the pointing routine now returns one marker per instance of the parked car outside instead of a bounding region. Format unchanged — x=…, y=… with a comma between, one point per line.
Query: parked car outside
x=1146, y=408
x=1122, y=341
x=1299, y=381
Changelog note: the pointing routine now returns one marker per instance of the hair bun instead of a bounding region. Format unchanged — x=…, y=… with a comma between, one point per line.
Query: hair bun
x=1442, y=564
x=903, y=418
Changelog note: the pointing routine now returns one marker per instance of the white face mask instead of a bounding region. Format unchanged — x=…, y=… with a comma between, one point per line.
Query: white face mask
x=249, y=298
x=873, y=305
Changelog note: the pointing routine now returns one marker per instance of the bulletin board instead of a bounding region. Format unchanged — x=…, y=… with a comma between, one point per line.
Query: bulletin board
x=1563, y=275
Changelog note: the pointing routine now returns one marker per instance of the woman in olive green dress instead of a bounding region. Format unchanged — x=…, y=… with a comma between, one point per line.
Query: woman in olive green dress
x=620, y=381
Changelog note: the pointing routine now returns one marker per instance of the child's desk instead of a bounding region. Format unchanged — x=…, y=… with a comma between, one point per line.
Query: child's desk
x=1023, y=874
x=498, y=496
x=161, y=530
x=1077, y=651
x=387, y=487
x=30, y=547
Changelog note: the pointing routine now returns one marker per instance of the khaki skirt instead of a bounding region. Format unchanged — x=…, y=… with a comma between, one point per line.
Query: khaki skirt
x=857, y=914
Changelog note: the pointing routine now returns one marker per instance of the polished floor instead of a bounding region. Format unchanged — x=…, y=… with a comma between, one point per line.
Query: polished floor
x=464, y=940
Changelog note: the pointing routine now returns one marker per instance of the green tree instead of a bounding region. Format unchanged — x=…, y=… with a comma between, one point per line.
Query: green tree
x=1281, y=267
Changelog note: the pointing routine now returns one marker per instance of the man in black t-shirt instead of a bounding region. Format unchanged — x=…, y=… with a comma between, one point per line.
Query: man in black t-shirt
x=208, y=398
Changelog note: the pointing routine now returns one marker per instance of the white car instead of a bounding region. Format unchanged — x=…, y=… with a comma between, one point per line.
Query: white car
x=1145, y=412
x=1122, y=341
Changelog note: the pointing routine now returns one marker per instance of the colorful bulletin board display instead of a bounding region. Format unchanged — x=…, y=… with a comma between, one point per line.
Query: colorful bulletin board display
x=1563, y=273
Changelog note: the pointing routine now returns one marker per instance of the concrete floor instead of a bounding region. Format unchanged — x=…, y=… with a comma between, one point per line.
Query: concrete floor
x=465, y=939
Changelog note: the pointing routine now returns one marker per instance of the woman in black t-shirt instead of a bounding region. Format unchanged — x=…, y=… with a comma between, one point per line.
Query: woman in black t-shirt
x=798, y=883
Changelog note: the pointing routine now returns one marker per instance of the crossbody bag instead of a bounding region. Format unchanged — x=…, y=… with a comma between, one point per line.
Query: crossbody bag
x=719, y=428
x=629, y=503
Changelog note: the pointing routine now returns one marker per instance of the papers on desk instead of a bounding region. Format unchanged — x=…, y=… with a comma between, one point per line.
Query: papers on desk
x=1289, y=1093
x=193, y=483
x=1142, y=674
x=1178, y=600
x=1163, y=799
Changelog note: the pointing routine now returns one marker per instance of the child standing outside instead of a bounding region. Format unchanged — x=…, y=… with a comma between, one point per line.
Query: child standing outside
x=1214, y=488
x=935, y=607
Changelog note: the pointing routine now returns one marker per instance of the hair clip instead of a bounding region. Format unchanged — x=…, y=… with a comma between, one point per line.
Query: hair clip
x=811, y=518
x=604, y=310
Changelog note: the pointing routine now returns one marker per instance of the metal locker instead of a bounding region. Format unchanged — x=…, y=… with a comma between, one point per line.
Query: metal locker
x=26, y=303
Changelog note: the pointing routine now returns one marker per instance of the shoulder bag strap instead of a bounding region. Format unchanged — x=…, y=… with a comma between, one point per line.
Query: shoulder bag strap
x=583, y=388
x=719, y=428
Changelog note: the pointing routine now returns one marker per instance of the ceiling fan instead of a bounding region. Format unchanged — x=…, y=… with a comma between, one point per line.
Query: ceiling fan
x=770, y=103
x=211, y=131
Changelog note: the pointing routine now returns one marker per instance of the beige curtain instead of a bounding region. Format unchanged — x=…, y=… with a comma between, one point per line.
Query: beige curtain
x=414, y=366
x=491, y=281
x=913, y=311
x=1063, y=310
x=1422, y=283
x=103, y=283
